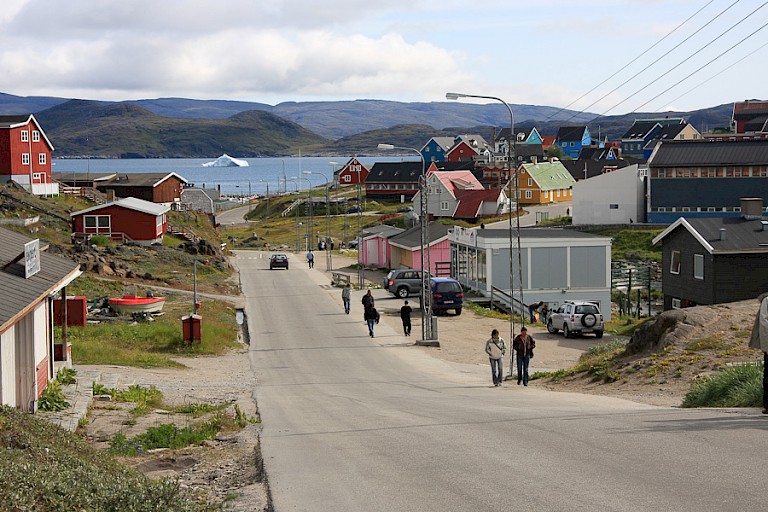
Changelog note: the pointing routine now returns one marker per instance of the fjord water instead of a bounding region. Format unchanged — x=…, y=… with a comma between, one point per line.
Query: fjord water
x=260, y=173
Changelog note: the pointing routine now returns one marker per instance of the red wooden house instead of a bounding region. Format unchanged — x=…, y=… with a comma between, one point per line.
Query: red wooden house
x=25, y=154
x=352, y=173
x=467, y=147
x=128, y=219
x=154, y=187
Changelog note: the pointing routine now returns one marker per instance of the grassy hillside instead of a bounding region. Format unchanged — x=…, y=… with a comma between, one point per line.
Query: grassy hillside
x=125, y=130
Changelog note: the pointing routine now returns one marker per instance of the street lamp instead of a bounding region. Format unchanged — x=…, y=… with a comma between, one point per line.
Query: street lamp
x=308, y=236
x=295, y=206
x=510, y=157
x=328, y=257
x=426, y=265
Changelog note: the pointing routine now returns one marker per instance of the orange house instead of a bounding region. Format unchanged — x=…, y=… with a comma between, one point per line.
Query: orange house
x=546, y=182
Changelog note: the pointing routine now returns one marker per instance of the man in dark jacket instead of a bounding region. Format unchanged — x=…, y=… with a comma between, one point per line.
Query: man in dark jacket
x=523, y=345
x=405, y=316
x=371, y=317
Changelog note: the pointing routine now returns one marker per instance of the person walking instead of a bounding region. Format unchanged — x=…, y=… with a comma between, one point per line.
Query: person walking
x=759, y=340
x=523, y=345
x=371, y=317
x=368, y=301
x=405, y=316
x=346, y=296
x=311, y=259
x=496, y=349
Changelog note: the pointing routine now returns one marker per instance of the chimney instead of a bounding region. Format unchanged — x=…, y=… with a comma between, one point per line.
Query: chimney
x=110, y=194
x=751, y=208
x=722, y=234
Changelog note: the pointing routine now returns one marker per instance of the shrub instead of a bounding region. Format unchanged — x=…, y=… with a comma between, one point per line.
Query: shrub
x=52, y=398
x=736, y=386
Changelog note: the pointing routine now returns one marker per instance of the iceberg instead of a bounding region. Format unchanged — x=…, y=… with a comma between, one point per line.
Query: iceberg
x=226, y=161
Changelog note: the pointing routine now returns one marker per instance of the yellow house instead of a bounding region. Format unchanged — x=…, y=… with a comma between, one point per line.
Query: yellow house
x=546, y=182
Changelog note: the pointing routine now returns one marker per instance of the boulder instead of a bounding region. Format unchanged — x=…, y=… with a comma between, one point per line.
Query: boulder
x=654, y=336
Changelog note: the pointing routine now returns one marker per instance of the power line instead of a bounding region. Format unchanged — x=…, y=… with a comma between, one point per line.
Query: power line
x=702, y=67
x=715, y=75
x=625, y=66
x=690, y=57
x=678, y=45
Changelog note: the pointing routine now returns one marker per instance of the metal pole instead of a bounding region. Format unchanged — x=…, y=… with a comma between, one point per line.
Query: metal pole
x=194, y=288
x=328, y=257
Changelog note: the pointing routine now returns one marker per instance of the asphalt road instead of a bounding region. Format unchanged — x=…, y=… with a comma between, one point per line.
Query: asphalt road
x=352, y=423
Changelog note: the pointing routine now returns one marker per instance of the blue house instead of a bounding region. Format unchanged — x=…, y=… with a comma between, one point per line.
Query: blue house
x=436, y=148
x=572, y=138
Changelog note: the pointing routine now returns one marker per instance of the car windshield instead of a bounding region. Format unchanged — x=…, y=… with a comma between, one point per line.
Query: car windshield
x=586, y=309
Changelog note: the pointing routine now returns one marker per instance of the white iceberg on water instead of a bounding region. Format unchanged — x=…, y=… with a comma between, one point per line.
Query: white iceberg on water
x=226, y=161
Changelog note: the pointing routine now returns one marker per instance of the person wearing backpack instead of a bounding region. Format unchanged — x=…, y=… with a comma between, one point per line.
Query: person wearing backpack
x=496, y=349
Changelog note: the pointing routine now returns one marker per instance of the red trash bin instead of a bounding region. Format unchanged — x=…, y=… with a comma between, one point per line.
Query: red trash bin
x=192, y=327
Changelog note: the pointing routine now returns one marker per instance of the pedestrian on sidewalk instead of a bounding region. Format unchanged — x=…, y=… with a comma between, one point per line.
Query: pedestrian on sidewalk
x=311, y=259
x=759, y=340
x=523, y=345
x=405, y=316
x=496, y=349
x=368, y=301
x=371, y=317
x=346, y=296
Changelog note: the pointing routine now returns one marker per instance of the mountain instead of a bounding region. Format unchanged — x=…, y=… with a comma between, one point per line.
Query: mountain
x=126, y=130
x=208, y=128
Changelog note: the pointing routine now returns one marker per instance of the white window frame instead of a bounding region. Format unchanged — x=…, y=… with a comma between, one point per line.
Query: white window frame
x=25, y=159
x=529, y=194
x=35, y=136
x=674, y=263
x=676, y=304
x=444, y=205
x=99, y=224
x=24, y=135
x=42, y=159
x=698, y=266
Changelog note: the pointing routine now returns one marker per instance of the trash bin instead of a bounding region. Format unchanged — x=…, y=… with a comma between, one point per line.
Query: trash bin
x=192, y=328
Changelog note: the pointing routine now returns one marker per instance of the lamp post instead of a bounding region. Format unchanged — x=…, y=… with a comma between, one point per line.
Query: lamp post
x=426, y=265
x=328, y=257
x=296, y=207
x=311, y=207
x=510, y=157
x=360, y=276
x=266, y=214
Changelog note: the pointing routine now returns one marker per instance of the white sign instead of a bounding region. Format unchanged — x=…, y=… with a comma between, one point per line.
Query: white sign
x=31, y=258
x=464, y=235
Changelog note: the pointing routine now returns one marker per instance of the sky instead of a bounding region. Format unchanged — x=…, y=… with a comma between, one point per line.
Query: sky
x=601, y=56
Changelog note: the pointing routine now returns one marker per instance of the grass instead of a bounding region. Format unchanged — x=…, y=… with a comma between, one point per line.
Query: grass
x=168, y=435
x=51, y=469
x=624, y=325
x=735, y=386
x=633, y=244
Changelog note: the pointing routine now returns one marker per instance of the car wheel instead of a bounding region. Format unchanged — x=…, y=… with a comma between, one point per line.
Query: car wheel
x=402, y=292
x=458, y=311
x=551, y=328
x=588, y=320
x=566, y=331
x=599, y=334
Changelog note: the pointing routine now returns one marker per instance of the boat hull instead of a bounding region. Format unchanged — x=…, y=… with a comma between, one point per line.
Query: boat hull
x=131, y=304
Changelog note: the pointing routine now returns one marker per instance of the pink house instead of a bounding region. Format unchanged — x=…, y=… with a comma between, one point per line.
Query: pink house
x=375, y=251
x=406, y=248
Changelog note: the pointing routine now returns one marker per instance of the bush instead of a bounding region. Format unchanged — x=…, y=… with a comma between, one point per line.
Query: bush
x=736, y=386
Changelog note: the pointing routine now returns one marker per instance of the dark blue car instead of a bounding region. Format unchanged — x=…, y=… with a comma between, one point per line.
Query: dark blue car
x=446, y=294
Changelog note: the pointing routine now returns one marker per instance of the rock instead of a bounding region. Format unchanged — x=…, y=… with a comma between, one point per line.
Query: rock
x=651, y=337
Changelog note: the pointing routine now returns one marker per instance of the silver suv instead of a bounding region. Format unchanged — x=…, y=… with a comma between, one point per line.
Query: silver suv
x=403, y=282
x=576, y=317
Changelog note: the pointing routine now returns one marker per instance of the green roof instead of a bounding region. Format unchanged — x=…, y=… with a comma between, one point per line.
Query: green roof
x=550, y=175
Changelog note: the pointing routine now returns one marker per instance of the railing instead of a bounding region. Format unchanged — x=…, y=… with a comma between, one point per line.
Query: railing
x=509, y=302
x=340, y=279
x=291, y=206
x=183, y=232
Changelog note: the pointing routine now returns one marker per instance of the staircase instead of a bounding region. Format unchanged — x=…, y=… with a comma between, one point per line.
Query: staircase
x=291, y=206
x=93, y=194
x=183, y=232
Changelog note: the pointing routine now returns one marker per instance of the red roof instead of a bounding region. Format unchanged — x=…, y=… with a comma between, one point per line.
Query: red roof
x=547, y=140
x=470, y=202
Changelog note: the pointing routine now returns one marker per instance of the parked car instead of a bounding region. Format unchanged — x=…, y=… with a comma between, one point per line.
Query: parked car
x=403, y=282
x=576, y=317
x=354, y=209
x=447, y=294
x=278, y=260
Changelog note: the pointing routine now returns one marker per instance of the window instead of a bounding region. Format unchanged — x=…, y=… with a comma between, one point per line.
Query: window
x=530, y=182
x=35, y=136
x=662, y=174
x=676, y=304
x=25, y=159
x=674, y=265
x=41, y=158
x=24, y=136
x=444, y=205
x=529, y=194
x=698, y=266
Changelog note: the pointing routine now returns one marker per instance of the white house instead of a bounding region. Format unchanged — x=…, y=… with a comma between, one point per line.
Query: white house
x=29, y=279
x=615, y=197
x=553, y=265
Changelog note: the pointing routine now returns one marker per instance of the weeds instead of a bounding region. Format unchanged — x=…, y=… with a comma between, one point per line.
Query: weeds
x=736, y=386
x=168, y=435
x=53, y=398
